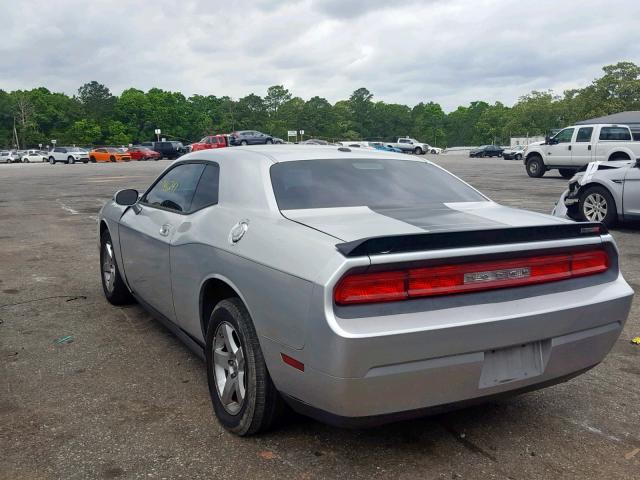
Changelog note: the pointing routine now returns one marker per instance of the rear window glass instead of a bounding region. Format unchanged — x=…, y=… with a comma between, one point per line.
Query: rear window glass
x=614, y=133
x=365, y=182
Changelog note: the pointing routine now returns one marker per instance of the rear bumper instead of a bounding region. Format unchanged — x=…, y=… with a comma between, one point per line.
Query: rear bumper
x=376, y=420
x=397, y=390
x=360, y=380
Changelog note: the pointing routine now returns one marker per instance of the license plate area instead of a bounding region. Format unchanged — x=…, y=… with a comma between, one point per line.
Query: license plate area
x=520, y=362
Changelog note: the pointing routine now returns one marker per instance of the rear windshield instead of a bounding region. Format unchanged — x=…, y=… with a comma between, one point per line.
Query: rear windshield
x=373, y=183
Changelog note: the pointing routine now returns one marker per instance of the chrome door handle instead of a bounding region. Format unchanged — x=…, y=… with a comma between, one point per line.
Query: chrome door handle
x=165, y=229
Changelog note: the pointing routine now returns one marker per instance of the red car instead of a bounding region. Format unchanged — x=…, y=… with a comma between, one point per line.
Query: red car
x=143, y=153
x=211, y=141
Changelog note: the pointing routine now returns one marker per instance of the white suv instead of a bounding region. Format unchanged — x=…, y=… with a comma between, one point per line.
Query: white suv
x=68, y=155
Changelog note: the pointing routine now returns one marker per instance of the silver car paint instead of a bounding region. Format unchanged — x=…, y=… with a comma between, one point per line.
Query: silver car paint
x=621, y=179
x=380, y=359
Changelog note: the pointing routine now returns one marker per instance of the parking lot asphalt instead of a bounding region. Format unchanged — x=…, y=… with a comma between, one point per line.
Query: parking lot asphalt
x=88, y=390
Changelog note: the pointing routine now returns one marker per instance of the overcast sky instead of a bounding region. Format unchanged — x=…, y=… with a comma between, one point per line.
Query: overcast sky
x=448, y=51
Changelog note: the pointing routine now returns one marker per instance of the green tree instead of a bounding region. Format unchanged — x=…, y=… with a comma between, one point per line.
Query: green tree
x=97, y=101
x=82, y=132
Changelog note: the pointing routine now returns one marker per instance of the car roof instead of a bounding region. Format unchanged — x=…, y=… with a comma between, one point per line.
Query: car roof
x=290, y=153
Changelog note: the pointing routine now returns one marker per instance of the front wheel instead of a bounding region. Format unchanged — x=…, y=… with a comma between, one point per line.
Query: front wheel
x=535, y=167
x=113, y=285
x=269, y=141
x=597, y=205
x=244, y=398
x=243, y=143
x=52, y=160
x=92, y=159
x=71, y=160
x=418, y=151
x=518, y=156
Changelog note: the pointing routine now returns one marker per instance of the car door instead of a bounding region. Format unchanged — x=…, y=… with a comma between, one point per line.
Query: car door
x=582, y=148
x=559, y=151
x=146, y=231
x=631, y=193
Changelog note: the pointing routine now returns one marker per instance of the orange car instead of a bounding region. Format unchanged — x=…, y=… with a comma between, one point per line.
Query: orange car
x=108, y=154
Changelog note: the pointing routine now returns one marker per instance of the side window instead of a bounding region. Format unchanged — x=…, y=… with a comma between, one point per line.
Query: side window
x=615, y=133
x=564, y=136
x=207, y=190
x=176, y=188
x=584, y=134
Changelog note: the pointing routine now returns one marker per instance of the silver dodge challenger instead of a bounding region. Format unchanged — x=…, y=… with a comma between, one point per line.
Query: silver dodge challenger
x=358, y=287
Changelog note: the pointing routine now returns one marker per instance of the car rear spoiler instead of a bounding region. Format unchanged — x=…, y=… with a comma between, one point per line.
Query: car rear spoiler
x=468, y=238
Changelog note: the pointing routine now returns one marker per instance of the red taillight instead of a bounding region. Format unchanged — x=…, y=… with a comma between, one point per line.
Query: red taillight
x=467, y=277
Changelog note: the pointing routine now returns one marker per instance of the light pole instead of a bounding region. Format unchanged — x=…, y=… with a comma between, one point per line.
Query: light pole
x=158, y=132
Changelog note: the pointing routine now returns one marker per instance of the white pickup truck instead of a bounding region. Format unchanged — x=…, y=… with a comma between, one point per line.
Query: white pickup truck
x=574, y=147
x=411, y=145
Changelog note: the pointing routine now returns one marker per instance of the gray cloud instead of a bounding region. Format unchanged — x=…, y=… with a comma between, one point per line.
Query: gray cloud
x=409, y=51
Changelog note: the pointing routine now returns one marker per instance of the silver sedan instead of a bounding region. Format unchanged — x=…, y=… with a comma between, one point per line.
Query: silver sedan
x=356, y=286
x=607, y=192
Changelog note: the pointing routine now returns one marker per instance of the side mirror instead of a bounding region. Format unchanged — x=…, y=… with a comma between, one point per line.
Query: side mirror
x=127, y=197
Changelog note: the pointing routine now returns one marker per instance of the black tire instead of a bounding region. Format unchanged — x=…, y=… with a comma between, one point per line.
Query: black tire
x=119, y=294
x=92, y=159
x=418, y=151
x=269, y=141
x=243, y=142
x=567, y=172
x=535, y=166
x=112, y=158
x=611, y=213
x=262, y=406
x=52, y=160
x=85, y=161
x=519, y=156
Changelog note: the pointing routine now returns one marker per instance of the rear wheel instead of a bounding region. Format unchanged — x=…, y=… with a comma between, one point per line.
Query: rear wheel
x=418, y=151
x=597, y=205
x=269, y=141
x=243, y=142
x=70, y=160
x=113, y=285
x=518, y=156
x=52, y=160
x=92, y=159
x=244, y=398
x=112, y=158
x=567, y=172
x=535, y=166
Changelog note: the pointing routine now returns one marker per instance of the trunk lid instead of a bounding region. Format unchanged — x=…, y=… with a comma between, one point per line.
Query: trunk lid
x=355, y=223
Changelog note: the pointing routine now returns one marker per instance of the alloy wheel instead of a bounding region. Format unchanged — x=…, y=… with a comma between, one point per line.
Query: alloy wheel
x=595, y=207
x=108, y=267
x=229, y=368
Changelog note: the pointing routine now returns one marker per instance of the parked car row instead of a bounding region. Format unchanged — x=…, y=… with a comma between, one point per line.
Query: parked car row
x=26, y=156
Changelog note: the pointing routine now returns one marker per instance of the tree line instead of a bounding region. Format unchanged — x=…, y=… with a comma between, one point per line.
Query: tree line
x=94, y=116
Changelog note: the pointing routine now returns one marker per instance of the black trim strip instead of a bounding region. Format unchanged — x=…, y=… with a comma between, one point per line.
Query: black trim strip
x=471, y=238
x=195, y=345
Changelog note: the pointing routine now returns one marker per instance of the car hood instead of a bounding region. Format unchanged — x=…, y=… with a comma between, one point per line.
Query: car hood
x=354, y=223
